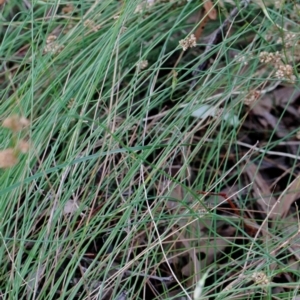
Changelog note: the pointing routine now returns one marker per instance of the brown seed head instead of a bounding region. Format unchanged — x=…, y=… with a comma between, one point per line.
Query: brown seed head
x=8, y=158
x=15, y=123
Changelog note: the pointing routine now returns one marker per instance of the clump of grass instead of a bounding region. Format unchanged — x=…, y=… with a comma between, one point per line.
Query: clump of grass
x=105, y=206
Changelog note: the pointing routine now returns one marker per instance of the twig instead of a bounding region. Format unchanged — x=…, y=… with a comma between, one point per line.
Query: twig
x=162, y=279
x=216, y=38
x=265, y=151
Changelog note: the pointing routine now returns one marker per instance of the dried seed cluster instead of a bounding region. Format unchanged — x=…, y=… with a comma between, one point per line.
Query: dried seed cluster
x=90, y=24
x=69, y=8
x=260, y=278
x=283, y=61
x=188, y=42
x=141, y=65
x=147, y=4
x=9, y=156
x=52, y=46
x=242, y=59
x=15, y=123
x=252, y=97
x=270, y=58
x=282, y=71
x=291, y=43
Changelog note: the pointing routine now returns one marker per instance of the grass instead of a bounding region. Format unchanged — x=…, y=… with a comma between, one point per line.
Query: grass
x=105, y=204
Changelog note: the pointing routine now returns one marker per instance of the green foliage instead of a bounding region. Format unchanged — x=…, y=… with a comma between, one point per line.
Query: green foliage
x=86, y=213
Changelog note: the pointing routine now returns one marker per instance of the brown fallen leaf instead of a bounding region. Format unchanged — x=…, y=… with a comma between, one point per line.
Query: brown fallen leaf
x=280, y=97
x=200, y=28
x=286, y=199
x=210, y=10
x=208, y=13
x=261, y=189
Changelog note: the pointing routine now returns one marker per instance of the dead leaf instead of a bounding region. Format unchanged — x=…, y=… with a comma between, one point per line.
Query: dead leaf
x=201, y=26
x=285, y=95
x=279, y=97
x=261, y=189
x=210, y=13
x=286, y=199
x=210, y=10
